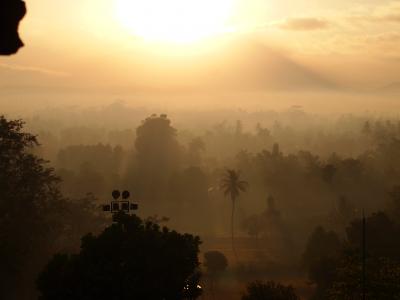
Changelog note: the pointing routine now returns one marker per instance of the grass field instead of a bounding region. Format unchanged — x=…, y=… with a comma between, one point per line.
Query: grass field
x=252, y=262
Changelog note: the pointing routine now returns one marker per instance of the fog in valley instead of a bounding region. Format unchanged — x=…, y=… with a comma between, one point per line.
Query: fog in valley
x=214, y=149
x=303, y=169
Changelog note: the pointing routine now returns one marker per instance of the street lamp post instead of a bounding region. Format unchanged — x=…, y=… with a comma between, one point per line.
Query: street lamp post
x=120, y=203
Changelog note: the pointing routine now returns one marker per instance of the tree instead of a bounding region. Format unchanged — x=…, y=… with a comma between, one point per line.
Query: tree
x=188, y=195
x=195, y=148
x=382, y=278
x=328, y=173
x=232, y=186
x=156, y=143
x=254, y=225
x=35, y=219
x=382, y=261
x=158, y=156
x=321, y=258
x=28, y=193
x=367, y=130
x=344, y=211
x=336, y=267
x=269, y=221
x=269, y=291
x=381, y=239
x=130, y=259
x=216, y=263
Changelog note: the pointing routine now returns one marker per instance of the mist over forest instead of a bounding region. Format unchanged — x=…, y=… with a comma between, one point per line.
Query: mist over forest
x=307, y=173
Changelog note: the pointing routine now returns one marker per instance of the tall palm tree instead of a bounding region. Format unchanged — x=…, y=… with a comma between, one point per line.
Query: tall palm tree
x=232, y=186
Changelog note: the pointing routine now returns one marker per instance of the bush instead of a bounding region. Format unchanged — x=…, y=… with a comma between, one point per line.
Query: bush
x=269, y=291
x=131, y=259
x=215, y=262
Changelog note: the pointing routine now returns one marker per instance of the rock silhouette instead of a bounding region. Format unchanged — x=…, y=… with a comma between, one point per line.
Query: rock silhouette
x=11, y=13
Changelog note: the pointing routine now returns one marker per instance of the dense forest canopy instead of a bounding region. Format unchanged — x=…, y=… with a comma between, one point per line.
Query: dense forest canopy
x=331, y=163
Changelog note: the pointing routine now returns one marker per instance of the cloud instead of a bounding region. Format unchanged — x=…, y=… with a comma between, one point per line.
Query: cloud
x=304, y=24
x=385, y=13
x=43, y=71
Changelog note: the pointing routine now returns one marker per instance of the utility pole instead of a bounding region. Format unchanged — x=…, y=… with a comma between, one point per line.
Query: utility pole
x=364, y=256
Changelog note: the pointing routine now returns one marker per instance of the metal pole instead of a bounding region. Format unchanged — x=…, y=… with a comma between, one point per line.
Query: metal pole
x=364, y=254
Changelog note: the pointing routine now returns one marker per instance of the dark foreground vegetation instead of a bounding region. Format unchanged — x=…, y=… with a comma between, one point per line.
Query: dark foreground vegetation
x=288, y=225
x=131, y=259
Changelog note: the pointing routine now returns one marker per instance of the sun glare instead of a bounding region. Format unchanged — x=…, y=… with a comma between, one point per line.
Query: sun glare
x=175, y=21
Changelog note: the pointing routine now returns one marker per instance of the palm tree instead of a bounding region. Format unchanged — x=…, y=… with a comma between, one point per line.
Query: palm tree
x=232, y=186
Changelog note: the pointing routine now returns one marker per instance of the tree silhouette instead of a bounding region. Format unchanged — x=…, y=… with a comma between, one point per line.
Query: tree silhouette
x=158, y=156
x=28, y=193
x=187, y=195
x=35, y=219
x=321, y=258
x=131, y=259
x=382, y=259
x=195, y=148
x=269, y=291
x=254, y=225
x=232, y=186
x=216, y=263
x=156, y=143
x=382, y=278
x=336, y=266
x=382, y=233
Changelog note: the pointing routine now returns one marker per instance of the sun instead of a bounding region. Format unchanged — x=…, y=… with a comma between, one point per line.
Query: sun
x=175, y=21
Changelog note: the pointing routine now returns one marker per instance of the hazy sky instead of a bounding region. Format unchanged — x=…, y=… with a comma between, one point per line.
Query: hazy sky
x=273, y=44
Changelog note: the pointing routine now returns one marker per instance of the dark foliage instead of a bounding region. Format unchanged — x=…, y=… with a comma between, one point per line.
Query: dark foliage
x=382, y=261
x=382, y=278
x=382, y=235
x=35, y=219
x=28, y=196
x=131, y=259
x=269, y=291
x=215, y=262
x=321, y=259
x=336, y=268
x=157, y=157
